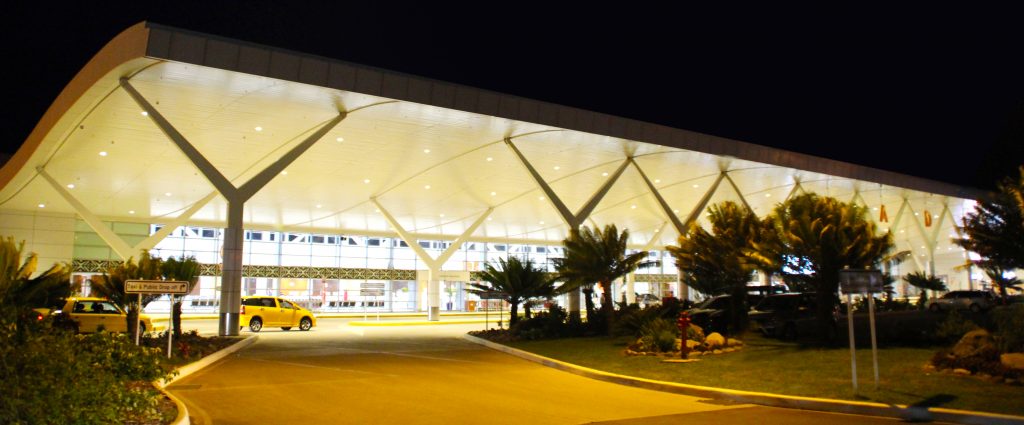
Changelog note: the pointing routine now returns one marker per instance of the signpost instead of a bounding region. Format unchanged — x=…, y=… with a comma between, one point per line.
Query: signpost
x=371, y=289
x=490, y=295
x=866, y=282
x=170, y=287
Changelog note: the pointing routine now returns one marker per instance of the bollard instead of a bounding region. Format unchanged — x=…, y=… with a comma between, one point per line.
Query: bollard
x=684, y=325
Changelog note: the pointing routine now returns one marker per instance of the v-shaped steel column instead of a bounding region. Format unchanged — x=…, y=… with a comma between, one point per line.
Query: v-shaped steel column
x=796, y=186
x=231, y=273
x=433, y=264
x=113, y=240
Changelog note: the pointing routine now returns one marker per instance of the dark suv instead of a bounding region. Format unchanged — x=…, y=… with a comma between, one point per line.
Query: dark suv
x=712, y=314
x=785, y=315
x=976, y=301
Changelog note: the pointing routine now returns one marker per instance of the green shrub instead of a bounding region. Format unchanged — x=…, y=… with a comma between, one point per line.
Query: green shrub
x=954, y=327
x=1009, y=328
x=549, y=324
x=659, y=335
x=52, y=376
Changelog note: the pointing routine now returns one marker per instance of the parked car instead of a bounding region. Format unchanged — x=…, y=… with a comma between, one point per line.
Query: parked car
x=976, y=301
x=260, y=311
x=647, y=300
x=89, y=314
x=713, y=314
x=785, y=315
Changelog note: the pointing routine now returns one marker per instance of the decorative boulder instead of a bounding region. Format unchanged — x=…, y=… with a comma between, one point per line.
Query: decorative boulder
x=715, y=340
x=691, y=344
x=1012, y=360
x=973, y=343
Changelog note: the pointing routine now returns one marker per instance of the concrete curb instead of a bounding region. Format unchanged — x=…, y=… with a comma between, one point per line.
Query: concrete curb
x=910, y=413
x=421, y=322
x=208, y=360
x=182, y=418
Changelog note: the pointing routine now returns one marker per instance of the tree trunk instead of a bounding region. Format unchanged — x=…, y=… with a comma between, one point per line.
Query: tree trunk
x=574, y=305
x=176, y=318
x=526, y=309
x=513, y=311
x=133, y=322
x=826, y=300
x=607, y=306
x=738, y=307
x=588, y=300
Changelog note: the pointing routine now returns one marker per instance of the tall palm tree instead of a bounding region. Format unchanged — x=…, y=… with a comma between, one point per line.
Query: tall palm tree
x=517, y=281
x=925, y=283
x=111, y=285
x=185, y=269
x=596, y=256
x=19, y=291
x=995, y=230
x=817, y=237
x=715, y=262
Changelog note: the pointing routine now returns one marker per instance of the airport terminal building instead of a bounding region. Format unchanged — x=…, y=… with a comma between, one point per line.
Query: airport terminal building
x=296, y=175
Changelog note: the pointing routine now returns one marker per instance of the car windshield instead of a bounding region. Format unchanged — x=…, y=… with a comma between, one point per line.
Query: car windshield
x=776, y=303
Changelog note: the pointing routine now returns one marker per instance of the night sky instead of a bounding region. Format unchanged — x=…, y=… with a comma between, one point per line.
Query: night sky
x=937, y=93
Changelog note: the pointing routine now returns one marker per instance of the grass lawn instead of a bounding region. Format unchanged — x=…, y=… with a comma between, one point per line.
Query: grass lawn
x=773, y=366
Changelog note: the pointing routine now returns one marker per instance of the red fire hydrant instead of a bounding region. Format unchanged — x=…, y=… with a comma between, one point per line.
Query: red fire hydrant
x=684, y=324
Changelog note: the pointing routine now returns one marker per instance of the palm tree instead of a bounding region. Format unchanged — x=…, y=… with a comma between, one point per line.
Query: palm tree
x=595, y=256
x=185, y=269
x=925, y=283
x=112, y=286
x=517, y=281
x=19, y=291
x=995, y=230
x=817, y=237
x=715, y=262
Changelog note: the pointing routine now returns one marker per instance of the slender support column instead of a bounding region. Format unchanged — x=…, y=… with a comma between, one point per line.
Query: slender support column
x=738, y=193
x=169, y=226
x=563, y=211
x=112, y=239
x=630, y=288
x=796, y=186
x=695, y=214
x=680, y=226
x=231, y=272
x=231, y=278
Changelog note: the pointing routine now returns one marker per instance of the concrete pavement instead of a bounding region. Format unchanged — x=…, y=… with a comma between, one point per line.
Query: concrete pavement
x=427, y=375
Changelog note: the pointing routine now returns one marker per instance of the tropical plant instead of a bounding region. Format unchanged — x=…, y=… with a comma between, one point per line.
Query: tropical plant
x=516, y=280
x=111, y=285
x=995, y=230
x=715, y=262
x=185, y=269
x=925, y=283
x=596, y=256
x=817, y=237
x=19, y=291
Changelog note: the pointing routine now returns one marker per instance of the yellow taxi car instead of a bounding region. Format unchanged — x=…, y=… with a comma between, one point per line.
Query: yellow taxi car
x=260, y=311
x=91, y=314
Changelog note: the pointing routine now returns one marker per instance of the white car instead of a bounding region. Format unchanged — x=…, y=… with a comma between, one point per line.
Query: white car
x=976, y=301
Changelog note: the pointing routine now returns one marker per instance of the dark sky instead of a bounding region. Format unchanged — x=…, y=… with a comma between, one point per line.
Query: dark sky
x=937, y=93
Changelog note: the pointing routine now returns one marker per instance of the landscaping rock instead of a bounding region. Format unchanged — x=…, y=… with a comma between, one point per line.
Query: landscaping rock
x=691, y=344
x=716, y=351
x=732, y=342
x=715, y=340
x=1012, y=360
x=974, y=342
x=929, y=368
x=961, y=372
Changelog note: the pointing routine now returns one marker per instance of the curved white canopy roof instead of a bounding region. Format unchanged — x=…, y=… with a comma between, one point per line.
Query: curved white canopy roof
x=432, y=153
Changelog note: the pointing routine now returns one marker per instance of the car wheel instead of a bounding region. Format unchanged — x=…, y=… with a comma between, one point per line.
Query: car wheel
x=934, y=308
x=286, y=328
x=305, y=324
x=789, y=332
x=975, y=308
x=255, y=324
x=142, y=328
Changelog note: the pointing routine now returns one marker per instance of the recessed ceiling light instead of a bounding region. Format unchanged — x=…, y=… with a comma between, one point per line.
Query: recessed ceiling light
x=167, y=193
x=696, y=186
x=604, y=174
x=541, y=222
x=131, y=211
x=901, y=231
x=767, y=195
x=540, y=198
x=318, y=205
x=258, y=128
x=144, y=113
x=71, y=185
x=427, y=187
x=284, y=173
x=494, y=193
x=490, y=159
x=426, y=151
x=442, y=215
x=366, y=180
x=915, y=213
x=557, y=168
x=632, y=207
x=874, y=209
x=42, y=205
x=377, y=210
x=675, y=211
x=103, y=153
x=657, y=180
x=340, y=139
x=488, y=219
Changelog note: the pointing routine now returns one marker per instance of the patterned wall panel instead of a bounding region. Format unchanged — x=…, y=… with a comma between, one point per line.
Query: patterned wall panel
x=99, y=266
